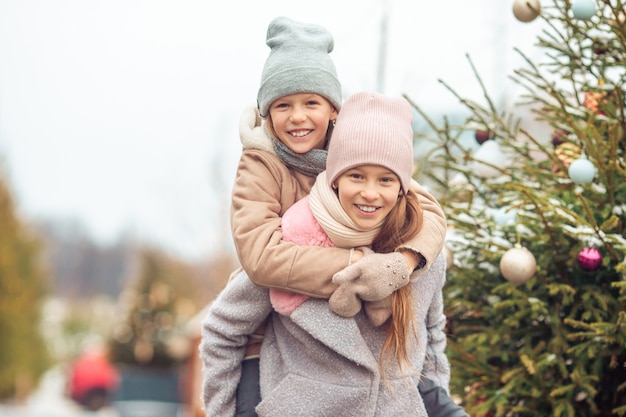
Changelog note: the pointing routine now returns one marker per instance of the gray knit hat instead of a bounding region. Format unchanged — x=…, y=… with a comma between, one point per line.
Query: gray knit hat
x=372, y=129
x=298, y=63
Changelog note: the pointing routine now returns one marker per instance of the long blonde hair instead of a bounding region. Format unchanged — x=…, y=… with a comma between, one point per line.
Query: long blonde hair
x=403, y=222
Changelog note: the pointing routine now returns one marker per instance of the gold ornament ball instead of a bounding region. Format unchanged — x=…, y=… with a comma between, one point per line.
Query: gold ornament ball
x=567, y=153
x=525, y=13
x=518, y=265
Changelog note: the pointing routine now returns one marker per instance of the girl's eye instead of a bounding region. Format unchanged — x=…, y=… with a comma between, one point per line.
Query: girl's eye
x=387, y=180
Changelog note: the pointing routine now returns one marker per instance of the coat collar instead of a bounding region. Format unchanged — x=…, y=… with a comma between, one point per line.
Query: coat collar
x=339, y=334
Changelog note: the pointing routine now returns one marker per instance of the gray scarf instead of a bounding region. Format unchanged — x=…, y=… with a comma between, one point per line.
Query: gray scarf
x=310, y=163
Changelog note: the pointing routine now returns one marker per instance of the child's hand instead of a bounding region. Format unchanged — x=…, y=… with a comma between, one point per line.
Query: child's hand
x=372, y=278
x=378, y=312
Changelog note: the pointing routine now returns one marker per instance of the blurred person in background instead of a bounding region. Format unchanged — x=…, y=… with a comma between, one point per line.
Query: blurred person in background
x=92, y=379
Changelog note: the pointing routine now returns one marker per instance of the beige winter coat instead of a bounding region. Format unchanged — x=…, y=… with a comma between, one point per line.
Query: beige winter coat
x=264, y=189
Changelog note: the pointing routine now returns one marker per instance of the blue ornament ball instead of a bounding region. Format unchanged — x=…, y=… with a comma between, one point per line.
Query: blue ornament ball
x=582, y=171
x=583, y=9
x=505, y=216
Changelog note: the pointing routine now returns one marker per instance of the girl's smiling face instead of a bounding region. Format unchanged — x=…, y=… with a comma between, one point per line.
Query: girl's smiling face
x=301, y=120
x=368, y=193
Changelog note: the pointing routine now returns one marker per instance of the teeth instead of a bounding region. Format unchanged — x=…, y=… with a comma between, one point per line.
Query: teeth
x=300, y=133
x=367, y=209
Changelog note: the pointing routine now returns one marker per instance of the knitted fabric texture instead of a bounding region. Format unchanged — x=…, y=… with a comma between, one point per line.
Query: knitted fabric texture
x=310, y=163
x=341, y=229
x=318, y=220
x=372, y=129
x=298, y=63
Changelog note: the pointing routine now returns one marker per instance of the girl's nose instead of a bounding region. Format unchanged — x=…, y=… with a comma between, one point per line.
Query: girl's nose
x=298, y=115
x=369, y=192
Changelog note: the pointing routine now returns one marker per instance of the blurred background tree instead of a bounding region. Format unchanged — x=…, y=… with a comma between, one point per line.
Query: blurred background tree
x=154, y=342
x=23, y=287
x=62, y=294
x=158, y=303
x=536, y=293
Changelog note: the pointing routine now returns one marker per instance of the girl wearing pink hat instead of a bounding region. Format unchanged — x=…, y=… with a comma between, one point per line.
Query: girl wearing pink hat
x=286, y=140
x=347, y=360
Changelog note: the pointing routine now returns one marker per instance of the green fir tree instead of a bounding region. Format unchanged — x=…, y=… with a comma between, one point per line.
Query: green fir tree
x=542, y=330
x=23, y=287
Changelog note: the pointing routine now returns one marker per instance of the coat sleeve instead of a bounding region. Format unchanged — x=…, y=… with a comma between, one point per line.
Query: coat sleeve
x=437, y=401
x=240, y=308
x=436, y=367
x=264, y=189
x=431, y=238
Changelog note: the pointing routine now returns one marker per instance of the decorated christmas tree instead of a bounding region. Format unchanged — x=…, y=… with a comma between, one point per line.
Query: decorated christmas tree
x=536, y=292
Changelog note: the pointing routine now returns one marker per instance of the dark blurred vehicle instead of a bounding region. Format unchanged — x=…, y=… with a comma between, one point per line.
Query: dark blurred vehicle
x=92, y=380
x=149, y=392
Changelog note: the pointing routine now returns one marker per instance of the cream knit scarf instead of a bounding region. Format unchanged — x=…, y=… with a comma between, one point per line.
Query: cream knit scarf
x=327, y=210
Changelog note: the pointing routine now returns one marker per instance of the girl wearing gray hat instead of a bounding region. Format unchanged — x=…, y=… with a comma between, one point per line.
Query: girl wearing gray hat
x=274, y=172
x=346, y=360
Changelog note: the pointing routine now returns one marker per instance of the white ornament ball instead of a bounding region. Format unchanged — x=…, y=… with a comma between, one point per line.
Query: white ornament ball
x=525, y=13
x=518, y=265
x=581, y=171
x=583, y=9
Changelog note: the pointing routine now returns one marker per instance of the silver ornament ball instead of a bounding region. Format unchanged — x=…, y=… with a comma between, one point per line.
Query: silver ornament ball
x=523, y=12
x=518, y=265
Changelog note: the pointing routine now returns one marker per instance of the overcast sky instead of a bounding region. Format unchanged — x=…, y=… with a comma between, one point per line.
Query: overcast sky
x=122, y=114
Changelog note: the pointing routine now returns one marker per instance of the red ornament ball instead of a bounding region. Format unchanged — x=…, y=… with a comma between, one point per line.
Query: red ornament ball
x=482, y=136
x=559, y=137
x=589, y=259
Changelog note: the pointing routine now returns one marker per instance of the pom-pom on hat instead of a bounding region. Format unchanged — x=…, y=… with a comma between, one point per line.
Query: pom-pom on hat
x=372, y=129
x=298, y=63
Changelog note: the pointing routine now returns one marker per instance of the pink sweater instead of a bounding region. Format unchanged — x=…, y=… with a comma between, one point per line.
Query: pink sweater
x=299, y=226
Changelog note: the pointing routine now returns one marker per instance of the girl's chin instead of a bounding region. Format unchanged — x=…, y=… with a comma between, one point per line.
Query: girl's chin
x=300, y=147
x=365, y=224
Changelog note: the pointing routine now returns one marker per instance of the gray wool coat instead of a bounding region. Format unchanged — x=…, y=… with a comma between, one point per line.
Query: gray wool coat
x=315, y=363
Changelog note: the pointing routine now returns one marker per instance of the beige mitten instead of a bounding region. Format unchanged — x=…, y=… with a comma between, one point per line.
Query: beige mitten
x=372, y=278
x=378, y=311
x=344, y=301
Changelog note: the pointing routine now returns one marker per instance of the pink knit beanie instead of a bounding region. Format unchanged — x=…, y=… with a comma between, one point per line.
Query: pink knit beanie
x=372, y=129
